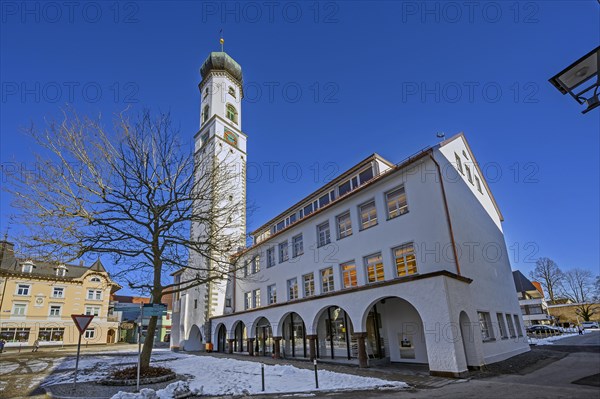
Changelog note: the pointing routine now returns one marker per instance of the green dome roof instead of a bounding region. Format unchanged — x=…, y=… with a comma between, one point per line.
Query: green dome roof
x=221, y=61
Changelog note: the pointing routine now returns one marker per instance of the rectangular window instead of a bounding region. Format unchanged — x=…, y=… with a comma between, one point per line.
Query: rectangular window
x=344, y=188
x=349, y=275
x=90, y=333
x=292, y=287
x=518, y=325
x=309, y=284
x=396, y=203
x=366, y=175
x=19, y=309
x=272, y=294
x=92, y=310
x=374, y=267
x=368, y=215
x=271, y=257
x=469, y=176
x=501, y=326
x=55, y=310
x=227, y=305
x=51, y=334
x=283, y=251
x=94, y=295
x=324, y=200
x=511, y=326
x=280, y=225
x=256, y=264
x=405, y=259
x=327, y=280
x=486, y=326
x=297, y=246
x=308, y=209
x=58, y=292
x=15, y=334
x=23, y=289
x=27, y=268
x=247, y=300
x=344, y=225
x=478, y=184
x=323, y=234
x=458, y=163
x=256, y=298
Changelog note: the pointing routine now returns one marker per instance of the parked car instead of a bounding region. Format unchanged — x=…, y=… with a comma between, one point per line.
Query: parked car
x=589, y=324
x=541, y=329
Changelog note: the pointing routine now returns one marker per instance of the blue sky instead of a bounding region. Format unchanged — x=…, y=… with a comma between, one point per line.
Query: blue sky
x=329, y=83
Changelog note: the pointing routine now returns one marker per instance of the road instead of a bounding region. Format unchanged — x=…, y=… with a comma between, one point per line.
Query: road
x=590, y=338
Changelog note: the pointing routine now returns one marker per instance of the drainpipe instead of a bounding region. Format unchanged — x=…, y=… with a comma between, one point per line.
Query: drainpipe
x=448, y=219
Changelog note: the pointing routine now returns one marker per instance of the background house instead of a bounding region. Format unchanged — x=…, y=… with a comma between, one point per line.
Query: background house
x=128, y=318
x=38, y=298
x=531, y=299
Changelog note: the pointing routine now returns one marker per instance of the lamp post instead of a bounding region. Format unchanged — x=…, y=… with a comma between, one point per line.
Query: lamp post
x=581, y=80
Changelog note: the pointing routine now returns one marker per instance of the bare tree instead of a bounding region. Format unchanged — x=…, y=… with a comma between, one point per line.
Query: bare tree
x=549, y=275
x=578, y=287
x=596, y=297
x=133, y=192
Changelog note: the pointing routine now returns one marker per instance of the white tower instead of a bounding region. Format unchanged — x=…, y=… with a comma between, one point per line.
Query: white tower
x=220, y=143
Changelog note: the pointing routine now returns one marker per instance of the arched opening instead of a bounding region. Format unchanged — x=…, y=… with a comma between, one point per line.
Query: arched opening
x=231, y=113
x=221, y=338
x=110, y=336
x=467, y=332
x=394, y=331
x=240, y=336
x=194, y=341
x=334, y=335
x=263, y=344
x=293, y=336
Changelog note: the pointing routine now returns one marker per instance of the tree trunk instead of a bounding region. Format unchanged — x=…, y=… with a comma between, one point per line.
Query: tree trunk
x=149, y=342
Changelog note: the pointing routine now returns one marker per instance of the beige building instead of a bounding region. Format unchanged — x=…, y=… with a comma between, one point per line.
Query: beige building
x=38, y=298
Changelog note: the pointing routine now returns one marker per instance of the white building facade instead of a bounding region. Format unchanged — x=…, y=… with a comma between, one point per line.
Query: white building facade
x=386, y=263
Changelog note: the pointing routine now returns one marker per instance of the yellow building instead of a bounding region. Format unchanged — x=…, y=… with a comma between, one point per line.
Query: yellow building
x=37, y=300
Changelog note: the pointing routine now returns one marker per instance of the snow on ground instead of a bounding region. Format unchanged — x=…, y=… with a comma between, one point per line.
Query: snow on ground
x=219, y=376
x=223, y=376
x=549, y=340
x=98, y=365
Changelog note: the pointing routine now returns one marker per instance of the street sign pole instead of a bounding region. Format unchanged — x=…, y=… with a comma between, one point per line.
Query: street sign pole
x=77, y=360
x=81, y=322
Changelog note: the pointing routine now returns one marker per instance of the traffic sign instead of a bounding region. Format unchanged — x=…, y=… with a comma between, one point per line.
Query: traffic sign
x=82, y=321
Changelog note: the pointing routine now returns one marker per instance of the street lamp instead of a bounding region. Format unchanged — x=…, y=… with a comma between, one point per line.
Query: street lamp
x=581, y=80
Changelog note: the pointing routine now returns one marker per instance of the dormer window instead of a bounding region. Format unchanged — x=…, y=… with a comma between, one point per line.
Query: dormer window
x=232, y=114
x=27, y=267
x=95, y=280
x=61, y=271
x=231, y=91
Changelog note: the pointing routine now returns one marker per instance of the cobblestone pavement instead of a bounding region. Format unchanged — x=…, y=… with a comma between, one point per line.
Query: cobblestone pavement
x=21, y=373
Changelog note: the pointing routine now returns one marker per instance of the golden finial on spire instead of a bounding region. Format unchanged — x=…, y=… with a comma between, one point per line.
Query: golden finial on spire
x=221, y=40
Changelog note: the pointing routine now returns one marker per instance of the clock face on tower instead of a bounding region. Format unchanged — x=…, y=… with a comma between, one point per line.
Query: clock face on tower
x=230, y=137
